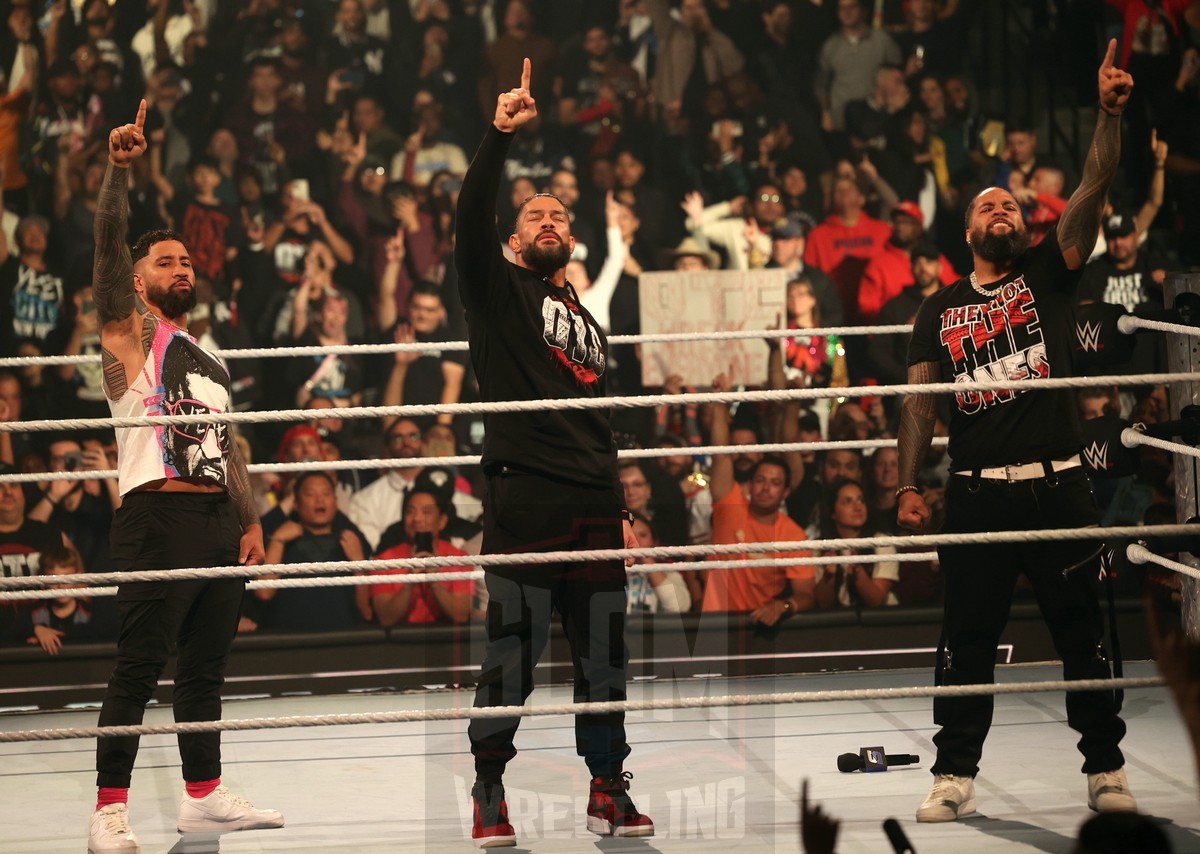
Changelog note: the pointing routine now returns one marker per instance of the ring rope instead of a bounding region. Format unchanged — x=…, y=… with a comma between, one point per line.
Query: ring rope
x=489, y=560
x=1131, y=438
x=1139, y=554
x=472, y=575
x=578, y=403
x=1129, y=324
x=492, y=712
x=445, y=346
x=474, y=459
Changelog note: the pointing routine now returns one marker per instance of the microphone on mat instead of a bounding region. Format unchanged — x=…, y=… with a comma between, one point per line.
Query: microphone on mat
x=895, y=835
x=870, y=759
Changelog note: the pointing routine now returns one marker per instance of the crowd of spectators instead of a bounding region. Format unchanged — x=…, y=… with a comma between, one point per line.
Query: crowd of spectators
x=310, y=153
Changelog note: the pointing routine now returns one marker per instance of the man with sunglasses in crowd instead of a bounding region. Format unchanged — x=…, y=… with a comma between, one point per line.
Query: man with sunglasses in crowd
x=186, y=502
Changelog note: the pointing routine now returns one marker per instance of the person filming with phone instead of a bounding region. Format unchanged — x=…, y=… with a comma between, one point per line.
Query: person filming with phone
x=81, y=509
x=425, y=518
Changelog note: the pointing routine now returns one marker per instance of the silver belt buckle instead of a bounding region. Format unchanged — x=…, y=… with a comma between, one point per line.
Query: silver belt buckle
x=1008, y=473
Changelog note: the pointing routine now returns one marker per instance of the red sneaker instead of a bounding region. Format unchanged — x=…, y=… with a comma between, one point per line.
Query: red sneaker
x=491, y=828
x=611, y=811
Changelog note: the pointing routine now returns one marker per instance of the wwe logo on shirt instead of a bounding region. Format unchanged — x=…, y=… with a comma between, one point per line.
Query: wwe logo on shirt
x=1088, y=335
x=1095, y=456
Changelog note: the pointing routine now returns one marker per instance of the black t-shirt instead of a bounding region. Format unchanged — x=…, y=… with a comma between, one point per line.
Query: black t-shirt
x=1133, y=288
x=530, y=340
x=1103, y=282
x=424, y=381
x=21, y=550
x=30, y=302
x=208, y=231
x=1023, y=331
x=315, y=609
x=332, y=376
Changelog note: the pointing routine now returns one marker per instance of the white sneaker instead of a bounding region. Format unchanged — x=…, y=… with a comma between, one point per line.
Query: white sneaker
x=1108, y=791
x=221, y=811
x=110, y=833
x=950, y=798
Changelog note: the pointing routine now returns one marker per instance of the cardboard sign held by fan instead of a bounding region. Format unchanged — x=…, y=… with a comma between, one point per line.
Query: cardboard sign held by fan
x=717, y=300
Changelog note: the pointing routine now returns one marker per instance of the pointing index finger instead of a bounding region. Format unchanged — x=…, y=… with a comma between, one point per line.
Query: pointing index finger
x=526, y=69
x=1110, y=54
x=140, y=121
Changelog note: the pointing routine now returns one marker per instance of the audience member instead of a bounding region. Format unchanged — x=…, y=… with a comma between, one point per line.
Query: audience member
x=428, y=602
x=23, y=540
x=844, y=243
x=51, y=623
x=655, y=591
x=81, y=509
x=889, y=353
x=852, y=584
x=309, y=537
x=748, y=511
x=848, y=61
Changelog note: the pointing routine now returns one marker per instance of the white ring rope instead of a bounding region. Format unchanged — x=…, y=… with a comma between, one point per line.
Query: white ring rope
x=446, y=346
x=1130, y=324
x=473, y=575
x=1139, y=554
x=579, y=403
x=422, y=462
x=581, y=555
x=492, y=712
x=1131, y=438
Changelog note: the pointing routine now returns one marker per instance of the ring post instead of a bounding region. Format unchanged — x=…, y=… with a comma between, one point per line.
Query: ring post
x=1183, y=354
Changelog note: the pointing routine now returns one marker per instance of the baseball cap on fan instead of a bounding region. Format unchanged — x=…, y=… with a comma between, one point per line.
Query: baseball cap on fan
x=909, y=209
x=1120, y=224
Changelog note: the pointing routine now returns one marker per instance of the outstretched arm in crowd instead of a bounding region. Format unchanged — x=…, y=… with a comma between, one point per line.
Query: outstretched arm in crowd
x=721, y=477
x=1154, y=195
x=1080, y=221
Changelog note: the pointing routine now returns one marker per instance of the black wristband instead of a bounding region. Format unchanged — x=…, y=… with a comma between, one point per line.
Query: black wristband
x=627, y=515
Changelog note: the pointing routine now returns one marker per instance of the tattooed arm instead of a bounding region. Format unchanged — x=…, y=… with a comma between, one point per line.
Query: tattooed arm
x=241, y=493
x=917, y=417
x=1080, y=222
x=112, y=270
x=112, y=273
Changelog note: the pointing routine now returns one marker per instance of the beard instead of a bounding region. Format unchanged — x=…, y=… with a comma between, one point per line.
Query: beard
x=172, y=302
x=546, y=258
x=1000, y=248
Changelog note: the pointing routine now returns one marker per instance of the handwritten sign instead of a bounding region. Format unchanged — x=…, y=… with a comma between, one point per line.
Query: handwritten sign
x=719, y=300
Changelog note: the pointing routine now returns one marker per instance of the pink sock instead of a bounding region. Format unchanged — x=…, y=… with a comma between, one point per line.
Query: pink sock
x=110, y=795
x=201, y=788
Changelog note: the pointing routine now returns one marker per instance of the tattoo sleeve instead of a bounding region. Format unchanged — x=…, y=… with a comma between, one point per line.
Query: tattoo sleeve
x=1080, y=222
x=112, y=271
x=241, y=493
x=917, y=417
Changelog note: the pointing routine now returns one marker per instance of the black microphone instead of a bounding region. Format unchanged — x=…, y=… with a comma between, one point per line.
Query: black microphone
x=849, y=762
x=895, y=835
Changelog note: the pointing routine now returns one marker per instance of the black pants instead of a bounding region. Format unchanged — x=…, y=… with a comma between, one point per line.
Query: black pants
x=171, y=531
x=528, y=513
x=979, y=588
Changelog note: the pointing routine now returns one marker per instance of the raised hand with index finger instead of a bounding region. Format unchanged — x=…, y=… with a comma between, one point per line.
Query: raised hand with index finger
x=1115, y=84
x=516, y=106
x=128, y=142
